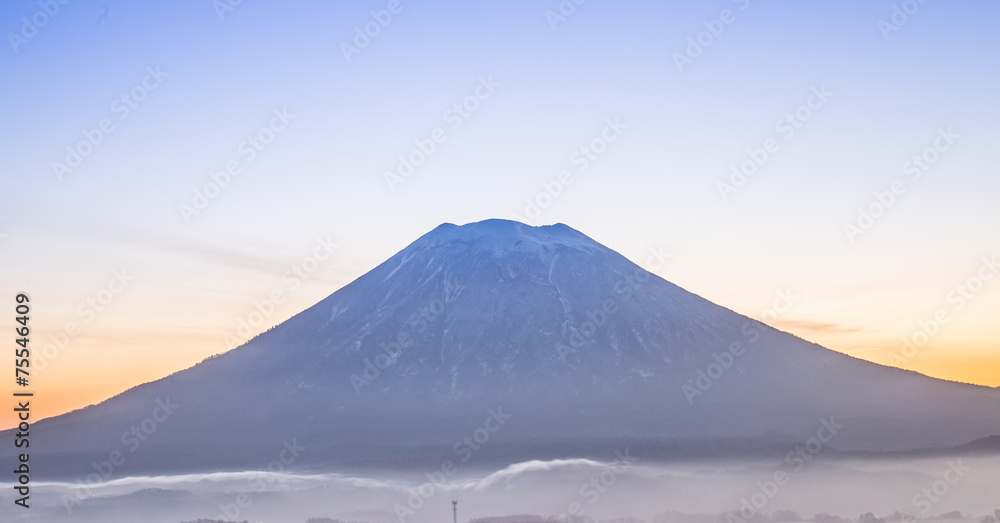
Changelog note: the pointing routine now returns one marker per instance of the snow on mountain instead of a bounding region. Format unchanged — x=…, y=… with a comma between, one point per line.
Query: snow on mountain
x=580, y=348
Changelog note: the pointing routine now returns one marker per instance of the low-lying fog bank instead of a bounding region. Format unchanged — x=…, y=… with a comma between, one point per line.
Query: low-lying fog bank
x=801, y=487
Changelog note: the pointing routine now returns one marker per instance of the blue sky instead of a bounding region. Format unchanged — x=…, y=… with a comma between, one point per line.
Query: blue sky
x=221, y=79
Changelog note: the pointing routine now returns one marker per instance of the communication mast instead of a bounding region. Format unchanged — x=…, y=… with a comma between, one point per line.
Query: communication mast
x=454, y=511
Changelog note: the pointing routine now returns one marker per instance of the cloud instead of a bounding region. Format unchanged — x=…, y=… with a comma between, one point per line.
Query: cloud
x=225, y=481
x=211, y=252
x=517, y=469
x=815, y=326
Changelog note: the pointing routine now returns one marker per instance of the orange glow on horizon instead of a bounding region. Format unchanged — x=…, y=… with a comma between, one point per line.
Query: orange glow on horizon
x=62, y=388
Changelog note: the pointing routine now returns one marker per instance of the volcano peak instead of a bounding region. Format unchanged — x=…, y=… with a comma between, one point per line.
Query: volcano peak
x=503, y=234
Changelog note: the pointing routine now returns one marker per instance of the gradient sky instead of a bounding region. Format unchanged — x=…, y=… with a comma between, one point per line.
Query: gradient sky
x=321, y=180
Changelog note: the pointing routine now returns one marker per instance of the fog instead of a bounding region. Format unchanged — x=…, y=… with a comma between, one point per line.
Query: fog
x=621, y=487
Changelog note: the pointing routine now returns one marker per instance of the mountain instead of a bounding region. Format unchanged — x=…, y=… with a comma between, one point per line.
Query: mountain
x=508, y=342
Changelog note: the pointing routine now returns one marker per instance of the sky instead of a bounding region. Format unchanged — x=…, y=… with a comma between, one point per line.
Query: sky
x=178, y=176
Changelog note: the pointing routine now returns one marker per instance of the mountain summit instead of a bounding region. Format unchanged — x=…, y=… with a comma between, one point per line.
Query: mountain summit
x=571, y=345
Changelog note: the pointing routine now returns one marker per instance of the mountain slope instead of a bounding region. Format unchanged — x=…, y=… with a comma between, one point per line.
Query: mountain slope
x=566, y=337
